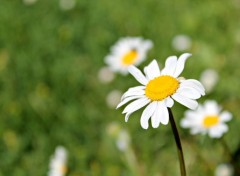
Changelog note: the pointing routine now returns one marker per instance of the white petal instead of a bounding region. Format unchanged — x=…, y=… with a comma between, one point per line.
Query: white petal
x=180, y=64
x=147, y=113
x=136, y=88
x=170, y=66
x=194, y=84
x=135, y=105
x=225, y=116
x=191, y=104
x=132, y=93
x=196, y=130
x=126, y=100
x=169, y=102
x=218, y=131
x=137, y=74
x=189, y=92
x=163, y=113
x=155, y=119
x=185, y=123
x=152, y=70
x=211, y=107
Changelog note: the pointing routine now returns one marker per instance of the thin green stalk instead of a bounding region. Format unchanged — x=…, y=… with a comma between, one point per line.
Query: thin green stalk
x=178, y=143
x=226, y=149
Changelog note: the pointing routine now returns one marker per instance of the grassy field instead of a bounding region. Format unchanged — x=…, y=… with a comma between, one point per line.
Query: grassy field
x=50, y=93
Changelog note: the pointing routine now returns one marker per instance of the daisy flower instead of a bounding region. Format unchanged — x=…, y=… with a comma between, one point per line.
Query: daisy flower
x=208, y=118
x=209, y=79
x=159, y=89
x=58, y=162
x=224, y=169
x=127, y=51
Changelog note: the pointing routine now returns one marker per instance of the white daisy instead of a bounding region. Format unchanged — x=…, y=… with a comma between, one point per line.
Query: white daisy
x=158, y=90
x=127, y=51
x=209, y=79
x=113, y=98
x=181, y=42
x=208, y=118
x=224, y=169
x=67, y=4
x=105, y=75
x=58, y=162
x=29, y=2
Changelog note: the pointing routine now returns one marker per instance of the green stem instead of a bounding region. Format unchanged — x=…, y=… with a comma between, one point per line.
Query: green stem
x=226, y=149
x=178, y=143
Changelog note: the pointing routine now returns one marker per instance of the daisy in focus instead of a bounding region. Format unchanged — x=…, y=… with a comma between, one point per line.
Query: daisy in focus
x=58, y=162
x=127, y=51
x=158, y=90
x=207, y=119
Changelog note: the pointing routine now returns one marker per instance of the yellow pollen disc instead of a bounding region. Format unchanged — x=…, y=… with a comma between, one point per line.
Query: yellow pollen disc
x=210, y=121
x=161, y=87
x=130, y=57
x=63, y=169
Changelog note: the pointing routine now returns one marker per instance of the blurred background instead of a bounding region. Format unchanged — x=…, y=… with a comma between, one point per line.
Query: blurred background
x=51, y=93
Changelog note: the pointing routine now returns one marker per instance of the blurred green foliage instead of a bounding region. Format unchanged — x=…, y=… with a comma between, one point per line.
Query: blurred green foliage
x=50, y=94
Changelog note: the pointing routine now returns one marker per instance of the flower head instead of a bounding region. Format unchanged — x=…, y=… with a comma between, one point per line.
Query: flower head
x=127, y=51
x=208, y=118
x=209, y=79
x=58, y=162
x=224, y=169
x=158, y=90
x=181, y=42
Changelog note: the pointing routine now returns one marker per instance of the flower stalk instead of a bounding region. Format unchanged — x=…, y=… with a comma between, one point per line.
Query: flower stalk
x=178, y=143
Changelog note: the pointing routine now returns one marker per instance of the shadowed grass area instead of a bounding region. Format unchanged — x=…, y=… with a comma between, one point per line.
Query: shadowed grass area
x=50, y=94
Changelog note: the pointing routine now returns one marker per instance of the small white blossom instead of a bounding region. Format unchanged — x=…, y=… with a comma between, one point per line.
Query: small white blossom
x=127, y=51
x=224, y=170
x=29, y=2
x=209, y=79
x=67, y=4
x=113, y=98
x=181, y=42
x=123, y=140
x=105, y=75
x=58, y=162
x=207, y=119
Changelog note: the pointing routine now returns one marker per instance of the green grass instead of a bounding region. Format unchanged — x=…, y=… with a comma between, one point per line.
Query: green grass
x=50, y=94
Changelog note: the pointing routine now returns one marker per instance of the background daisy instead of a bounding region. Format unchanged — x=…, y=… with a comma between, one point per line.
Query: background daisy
x=158, y=90
x=207, y=119
x=58, y=162
x=128, y=51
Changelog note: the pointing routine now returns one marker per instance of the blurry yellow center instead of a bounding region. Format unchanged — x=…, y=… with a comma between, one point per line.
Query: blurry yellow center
x=210, y=121
x=161, y=87
x=63, y=169
x=130, y=57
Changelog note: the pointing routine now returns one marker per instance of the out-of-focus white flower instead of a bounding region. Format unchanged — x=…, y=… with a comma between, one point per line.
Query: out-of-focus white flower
x=209, y=79
x=67, y=4
x=113, y=129
x=181, y=42
x=127, y=51
x=207, y=119
x=113, y=98
x=159, y=89
x=105, y=75
x=224, y=170
x=58, y=162
x=29, y=2
x=123, y=140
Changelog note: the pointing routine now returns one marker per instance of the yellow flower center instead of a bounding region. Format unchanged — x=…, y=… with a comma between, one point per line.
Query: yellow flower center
x=63, y=169
x=130, y=57
x=210, y=121
x=161, y=87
